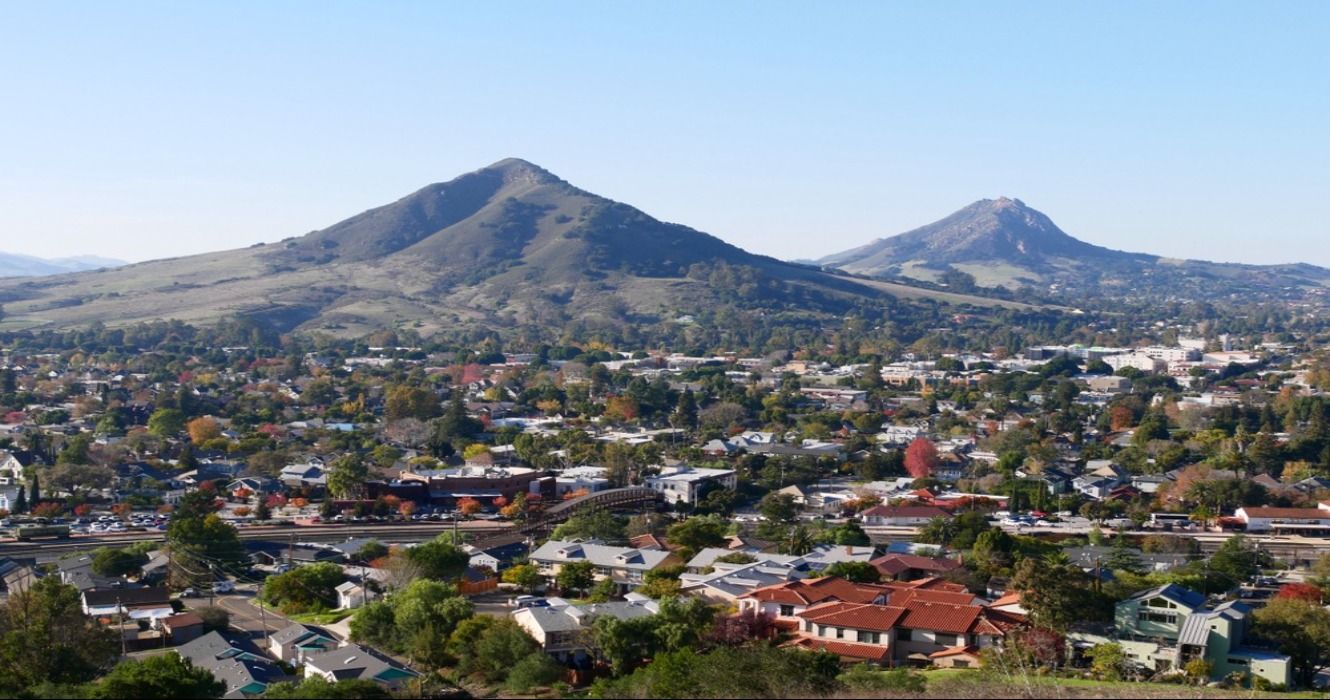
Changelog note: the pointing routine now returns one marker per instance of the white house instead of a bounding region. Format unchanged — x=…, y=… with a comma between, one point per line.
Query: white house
x=563, y=630
x=355, y=661
x=625, y=565
x=1308, y=521
x=350, y=595
x=687, y=484
x=902, y=516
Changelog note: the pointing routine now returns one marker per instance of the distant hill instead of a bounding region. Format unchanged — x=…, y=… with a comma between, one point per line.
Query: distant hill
x=507, y=245
x=1005, y=243
x=15, y=265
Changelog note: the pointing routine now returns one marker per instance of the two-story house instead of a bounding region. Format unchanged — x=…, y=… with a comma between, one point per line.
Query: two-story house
x=1163, y=628
x=626, y=566
x=564, y=631
x=688, y=484
x=914, y=631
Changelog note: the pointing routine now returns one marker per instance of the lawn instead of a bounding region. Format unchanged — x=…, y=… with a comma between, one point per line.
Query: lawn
x=321, y=618
x=956, y=683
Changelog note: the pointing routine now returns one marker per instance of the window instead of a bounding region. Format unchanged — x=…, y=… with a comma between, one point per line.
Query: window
x=1167, y=618
x=904, y=635
x=1237, y=662
x=821, y=630
x=960, y=663
x=946, y=640
x=787, y=611
x=869, y=637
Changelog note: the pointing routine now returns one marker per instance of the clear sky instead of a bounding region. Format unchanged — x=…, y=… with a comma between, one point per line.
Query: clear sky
x=147, y=129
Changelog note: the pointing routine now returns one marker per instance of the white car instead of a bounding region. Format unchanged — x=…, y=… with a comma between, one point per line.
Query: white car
x=223, y=587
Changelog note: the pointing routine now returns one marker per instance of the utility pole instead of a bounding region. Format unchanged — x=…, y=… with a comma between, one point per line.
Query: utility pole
x=120, y=611
x=263, y=617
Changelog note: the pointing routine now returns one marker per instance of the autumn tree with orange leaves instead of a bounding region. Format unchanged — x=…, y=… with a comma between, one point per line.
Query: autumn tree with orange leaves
x=921, y=458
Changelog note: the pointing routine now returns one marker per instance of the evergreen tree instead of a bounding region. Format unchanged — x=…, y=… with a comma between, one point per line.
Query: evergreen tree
x=685, y=412
x=36, y=493
x=21, y=500
x=1123, y=557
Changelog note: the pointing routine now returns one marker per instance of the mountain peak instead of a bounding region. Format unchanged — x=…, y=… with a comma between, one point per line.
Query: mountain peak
x=518, y=170
x=989, y=231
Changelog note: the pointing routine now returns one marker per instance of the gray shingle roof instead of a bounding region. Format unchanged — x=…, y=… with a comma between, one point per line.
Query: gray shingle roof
x=560, y=551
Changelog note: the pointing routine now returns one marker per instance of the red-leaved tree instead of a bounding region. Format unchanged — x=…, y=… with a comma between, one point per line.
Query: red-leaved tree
x=742, y=628
x=1300, y=591
x=921, y=458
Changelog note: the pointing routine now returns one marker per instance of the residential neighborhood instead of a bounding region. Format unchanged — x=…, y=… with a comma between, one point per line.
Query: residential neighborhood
x=276, y=519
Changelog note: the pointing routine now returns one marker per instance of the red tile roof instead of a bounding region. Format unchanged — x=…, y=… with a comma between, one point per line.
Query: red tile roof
x=931, y=596
x=940, y=617
x=893, y=564
x=1300, y=513
x=880, y=618
x=849, y=650
x=811, y=591
x=955, y=651
x=905, y=512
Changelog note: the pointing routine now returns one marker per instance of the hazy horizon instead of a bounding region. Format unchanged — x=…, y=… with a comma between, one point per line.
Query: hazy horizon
x=155, y=130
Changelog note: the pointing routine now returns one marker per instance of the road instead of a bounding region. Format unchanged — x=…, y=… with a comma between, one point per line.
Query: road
x=248, y=618
x=51, y=550
x=1287, y=547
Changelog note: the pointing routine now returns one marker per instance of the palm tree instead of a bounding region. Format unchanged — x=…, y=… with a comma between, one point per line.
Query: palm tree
x=799, y=541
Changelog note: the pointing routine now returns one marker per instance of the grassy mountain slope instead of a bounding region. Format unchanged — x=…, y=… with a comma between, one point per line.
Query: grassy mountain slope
x=1005, y=243
x=506, y=245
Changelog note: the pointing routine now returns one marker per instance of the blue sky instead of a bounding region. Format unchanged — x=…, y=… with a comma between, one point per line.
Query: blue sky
x=150, y=129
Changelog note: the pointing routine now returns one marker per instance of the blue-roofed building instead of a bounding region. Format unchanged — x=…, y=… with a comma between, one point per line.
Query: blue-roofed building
x=1162, y=629
x=244, y=669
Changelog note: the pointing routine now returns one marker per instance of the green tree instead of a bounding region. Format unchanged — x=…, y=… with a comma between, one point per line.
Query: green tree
x=202, y=545
x=625, y=642
x=527, y=576
x=416, y=621
x=850, y=534
x=857, y=571
x=533, y=671
x=1108, y=661
x=778, y=508
x=597, y=524
x=1236, y=559
x=371, y=550
x=162, y=677
x=728, y=673
x=1055, y=595
x=1301, y=629
x=696, y=534
x=439, y=558
x=115, y=562
x=798, y=541
x=305, y=588
x=500, y=648
x=347, y=475
x=576, y=576
x=455, y=424
x=1123, y=557
x=166, y=422
x=46, y=638
x=215, y=619
x=76, y=450
x=403, y=401
x=316, y=688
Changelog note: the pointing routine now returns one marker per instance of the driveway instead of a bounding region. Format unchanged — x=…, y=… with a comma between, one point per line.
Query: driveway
x=247, y=617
